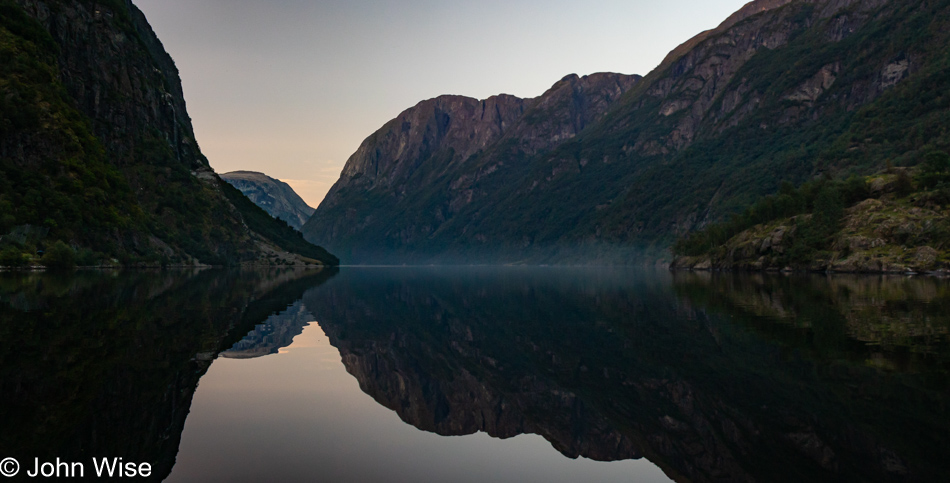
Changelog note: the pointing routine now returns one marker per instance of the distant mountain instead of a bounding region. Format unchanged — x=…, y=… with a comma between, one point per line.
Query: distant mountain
x=784, y=90
x=97, y=151
x=273, y=195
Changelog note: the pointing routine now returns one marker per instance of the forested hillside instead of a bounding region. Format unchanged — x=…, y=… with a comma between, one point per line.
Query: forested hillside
x=98, y=159
x=896, y=221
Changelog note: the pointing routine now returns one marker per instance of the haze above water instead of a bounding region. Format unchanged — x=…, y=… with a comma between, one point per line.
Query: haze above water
x=480, y=374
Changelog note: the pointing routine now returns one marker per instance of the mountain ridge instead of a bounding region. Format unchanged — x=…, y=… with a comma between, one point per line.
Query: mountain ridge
x=784, y=92
x=449, y=132
x=752, y=8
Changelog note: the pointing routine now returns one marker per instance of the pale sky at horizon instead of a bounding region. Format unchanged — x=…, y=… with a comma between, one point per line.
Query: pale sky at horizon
x=291, y=88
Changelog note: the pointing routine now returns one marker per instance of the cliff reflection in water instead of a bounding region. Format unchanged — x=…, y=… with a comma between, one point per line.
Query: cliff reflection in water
x=103, y=364
x=728, y=378
x=732, y=378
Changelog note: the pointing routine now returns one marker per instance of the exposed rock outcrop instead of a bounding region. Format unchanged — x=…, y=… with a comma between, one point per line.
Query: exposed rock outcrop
x=886, y=234
x=432, y=155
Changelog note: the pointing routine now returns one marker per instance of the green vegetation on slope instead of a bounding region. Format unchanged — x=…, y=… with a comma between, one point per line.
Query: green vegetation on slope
x=64, y=182
x=116, y=177
x=786, y=95
x=825, y=198
x=275, y=229
x=898, y=218
x=723, y=172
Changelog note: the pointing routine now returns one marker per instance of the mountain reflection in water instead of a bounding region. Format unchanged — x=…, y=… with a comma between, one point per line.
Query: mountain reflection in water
x=275, y=333
x=710, y=377
x=733, y=378
x=99, y=364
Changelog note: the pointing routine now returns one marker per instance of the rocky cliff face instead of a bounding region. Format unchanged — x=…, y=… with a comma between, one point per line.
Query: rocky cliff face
x=457, y=128
x=98, y=147
x=782, y=91
x=119, y=74
x=752, y=8
x=431, y=154
x=273, y=195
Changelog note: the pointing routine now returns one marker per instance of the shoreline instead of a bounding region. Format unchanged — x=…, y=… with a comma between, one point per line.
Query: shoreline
x=33, y=269
x=790, y=271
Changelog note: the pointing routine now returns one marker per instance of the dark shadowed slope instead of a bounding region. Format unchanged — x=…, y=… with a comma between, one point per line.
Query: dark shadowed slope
x=97, y=149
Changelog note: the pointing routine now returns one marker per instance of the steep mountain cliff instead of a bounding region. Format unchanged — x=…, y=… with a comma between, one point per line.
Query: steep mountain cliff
x=415, y=174
x=784, y=90
x=97, y=149
x=273, y=195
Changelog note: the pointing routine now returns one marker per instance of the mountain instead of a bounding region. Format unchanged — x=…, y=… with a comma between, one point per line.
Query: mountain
x=417, y=173
x=97, y=151
x=781, y=91
x=273, y=195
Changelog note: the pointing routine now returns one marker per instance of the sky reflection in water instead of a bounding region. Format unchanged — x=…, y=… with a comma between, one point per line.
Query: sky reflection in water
x=480, y=374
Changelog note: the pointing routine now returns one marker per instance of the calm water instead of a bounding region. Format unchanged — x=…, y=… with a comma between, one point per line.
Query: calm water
x=479, y=374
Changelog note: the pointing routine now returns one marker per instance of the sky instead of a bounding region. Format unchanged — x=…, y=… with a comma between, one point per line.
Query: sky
x=291, y=88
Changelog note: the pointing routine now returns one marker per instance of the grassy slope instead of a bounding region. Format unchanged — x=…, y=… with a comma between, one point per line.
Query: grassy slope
x=646, y=201
x=275, y=230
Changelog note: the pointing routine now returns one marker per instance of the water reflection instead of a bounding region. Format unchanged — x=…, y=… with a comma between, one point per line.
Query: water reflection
x=898, y=323
x=710, y=377
x=277, y=332
x=105, y=364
